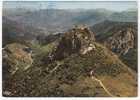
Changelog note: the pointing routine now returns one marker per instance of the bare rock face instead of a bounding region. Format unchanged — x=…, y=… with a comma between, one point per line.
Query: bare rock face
x=77, y=40
x=121, y=41
x=16, y=57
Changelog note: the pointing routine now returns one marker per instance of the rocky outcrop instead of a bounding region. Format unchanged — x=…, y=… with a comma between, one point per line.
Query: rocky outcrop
x=121, y=41
x=121, y=38
x=77, y=40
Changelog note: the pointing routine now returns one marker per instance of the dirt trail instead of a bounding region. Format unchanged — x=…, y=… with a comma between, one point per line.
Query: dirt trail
x=102, y=85
x=54, y=69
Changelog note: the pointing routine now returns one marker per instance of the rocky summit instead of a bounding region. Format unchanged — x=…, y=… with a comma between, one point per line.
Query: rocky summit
x=77, y=40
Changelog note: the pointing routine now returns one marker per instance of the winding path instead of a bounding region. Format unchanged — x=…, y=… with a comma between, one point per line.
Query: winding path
x=102, y=85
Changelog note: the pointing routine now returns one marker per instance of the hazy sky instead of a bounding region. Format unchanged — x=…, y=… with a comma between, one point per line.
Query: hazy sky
x=114, y=5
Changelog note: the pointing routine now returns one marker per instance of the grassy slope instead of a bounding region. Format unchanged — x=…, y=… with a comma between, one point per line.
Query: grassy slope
x=72, y=77
x=108, y=68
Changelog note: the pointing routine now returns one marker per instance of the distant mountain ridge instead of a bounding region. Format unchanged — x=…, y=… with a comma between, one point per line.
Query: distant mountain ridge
x=56, y=20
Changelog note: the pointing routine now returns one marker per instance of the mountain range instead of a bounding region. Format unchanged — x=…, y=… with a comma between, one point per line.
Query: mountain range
x=54, y=20
x=66, y=53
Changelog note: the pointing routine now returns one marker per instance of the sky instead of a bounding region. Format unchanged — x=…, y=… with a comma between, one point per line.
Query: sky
x=110, y=5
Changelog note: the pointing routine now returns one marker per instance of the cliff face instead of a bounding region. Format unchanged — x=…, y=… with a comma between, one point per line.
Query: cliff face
x=78, y=40
x=122, y=41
